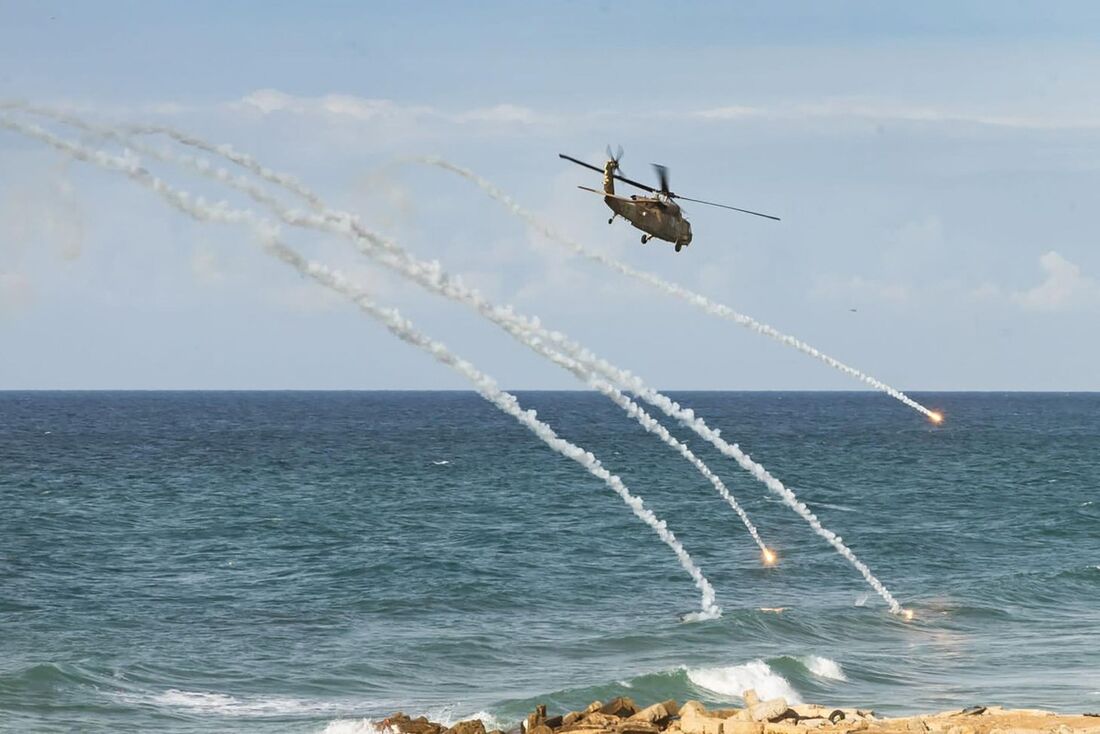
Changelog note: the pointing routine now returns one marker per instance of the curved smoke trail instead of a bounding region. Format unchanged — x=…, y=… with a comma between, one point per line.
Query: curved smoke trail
x=427, y=275
x=432, y=275
x=399, y=326
x=530, y=332
x=695, y=299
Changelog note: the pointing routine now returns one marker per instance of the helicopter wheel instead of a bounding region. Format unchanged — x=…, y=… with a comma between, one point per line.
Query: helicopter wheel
x=645, y=238
x=679, y=247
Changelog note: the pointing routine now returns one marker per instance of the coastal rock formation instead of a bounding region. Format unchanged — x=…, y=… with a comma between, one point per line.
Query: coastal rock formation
x=773, y=716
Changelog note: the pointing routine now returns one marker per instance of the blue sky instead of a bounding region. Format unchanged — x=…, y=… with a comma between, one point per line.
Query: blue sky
x=935, y=165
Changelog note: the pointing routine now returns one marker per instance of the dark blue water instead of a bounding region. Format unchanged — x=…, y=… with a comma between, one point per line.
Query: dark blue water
x=300, y=561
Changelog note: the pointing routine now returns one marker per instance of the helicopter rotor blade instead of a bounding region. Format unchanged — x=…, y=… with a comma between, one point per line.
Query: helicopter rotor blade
x=662, y=176
x=580, y=163
x=598, y=170
x=724, y=206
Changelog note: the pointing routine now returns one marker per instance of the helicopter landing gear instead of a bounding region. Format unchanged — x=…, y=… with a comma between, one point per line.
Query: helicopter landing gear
x=646, y=238
x=609, y=221
x=679, y=247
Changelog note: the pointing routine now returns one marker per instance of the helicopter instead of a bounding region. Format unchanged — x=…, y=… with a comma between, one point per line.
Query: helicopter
x=658, y=215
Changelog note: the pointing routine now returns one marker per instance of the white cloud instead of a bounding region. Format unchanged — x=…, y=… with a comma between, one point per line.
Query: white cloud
x=350, y=108
x=842, y=108
x=1063, y=287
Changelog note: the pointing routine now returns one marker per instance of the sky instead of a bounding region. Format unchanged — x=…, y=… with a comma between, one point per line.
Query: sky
x=935, y=166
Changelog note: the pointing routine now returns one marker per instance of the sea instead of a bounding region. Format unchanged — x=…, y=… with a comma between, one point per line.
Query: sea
x=314, y=561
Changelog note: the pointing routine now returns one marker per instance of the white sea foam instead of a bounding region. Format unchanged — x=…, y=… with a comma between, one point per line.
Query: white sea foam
x=734, y=680
x=222, y=704
x=351, y=726
x=823, y=667
x=861, y=601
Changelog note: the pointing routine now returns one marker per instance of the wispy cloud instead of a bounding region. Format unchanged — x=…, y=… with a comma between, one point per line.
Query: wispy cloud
x=1062, y=288
x=888, y=111
x=349, y=108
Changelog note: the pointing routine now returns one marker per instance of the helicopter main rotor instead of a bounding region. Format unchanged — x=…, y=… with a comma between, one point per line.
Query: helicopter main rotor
x=662, y=177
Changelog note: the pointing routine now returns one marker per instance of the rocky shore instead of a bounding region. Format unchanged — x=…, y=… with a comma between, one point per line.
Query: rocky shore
x=773, y=716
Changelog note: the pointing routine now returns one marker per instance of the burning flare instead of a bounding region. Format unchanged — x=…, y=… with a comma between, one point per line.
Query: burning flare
x=769, y=557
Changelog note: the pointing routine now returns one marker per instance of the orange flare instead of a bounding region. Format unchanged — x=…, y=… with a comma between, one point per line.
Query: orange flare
x=769, y=557
x=936, y=418
x=907, y=613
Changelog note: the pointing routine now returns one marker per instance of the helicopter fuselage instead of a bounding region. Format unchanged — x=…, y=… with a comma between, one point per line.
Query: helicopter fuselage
x=657, y=216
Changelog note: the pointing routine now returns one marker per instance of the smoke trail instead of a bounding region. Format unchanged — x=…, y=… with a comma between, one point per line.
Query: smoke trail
x=530, y=332
x=393, y=321
x=409, y=267
x=696, y=299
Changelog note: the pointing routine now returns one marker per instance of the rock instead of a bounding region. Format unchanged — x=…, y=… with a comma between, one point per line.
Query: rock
x=768, y=709
x=631, y=726
x=571, y=718
x=959, y=729
x=473, y=726
x=593, y=707
x=599, y=720
x=554, y=722
x=812, y=723
x=651, y=714
x=734, y=725
x=671, y=707
x=806, y=710
x=750, y=697
x=621, y=707
x=399, y=722
x=541, y=729
x=916, y=725
x=782, y=728
x=694, y=719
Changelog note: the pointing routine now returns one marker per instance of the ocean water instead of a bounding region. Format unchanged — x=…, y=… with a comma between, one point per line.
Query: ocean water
x=301, y=562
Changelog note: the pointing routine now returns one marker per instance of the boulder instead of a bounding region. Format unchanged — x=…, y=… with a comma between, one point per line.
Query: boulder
x=473, y=726
x=734, y=725
x=652, y=714
x=598, y=720
x=750, y=697
x=571, y=718
x=621, y=707
x=916, y=725
x=783, y=728
x=593, y=707
x=399, y=722
x=694, y=719
x=767, y=710
x=554, y=722
x=541, y=729
x=631, y=726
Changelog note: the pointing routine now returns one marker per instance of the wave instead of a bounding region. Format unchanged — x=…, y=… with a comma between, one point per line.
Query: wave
x=734, y=680
x=222, y=704
x=823, y=667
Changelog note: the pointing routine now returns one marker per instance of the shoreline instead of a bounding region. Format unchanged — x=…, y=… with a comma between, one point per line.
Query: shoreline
x=773, y=716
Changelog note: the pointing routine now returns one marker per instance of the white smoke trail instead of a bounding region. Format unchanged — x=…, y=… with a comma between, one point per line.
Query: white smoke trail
x=401, y=327
x=426, y=275
x=696, y=299
x=530, y=332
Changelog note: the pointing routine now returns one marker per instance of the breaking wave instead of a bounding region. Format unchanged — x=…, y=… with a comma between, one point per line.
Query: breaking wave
x=734, y=680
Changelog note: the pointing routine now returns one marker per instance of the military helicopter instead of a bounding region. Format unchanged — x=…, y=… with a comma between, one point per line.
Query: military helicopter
x=658, y=215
